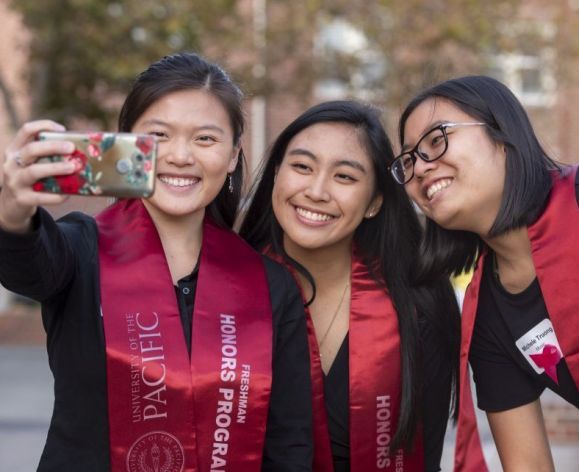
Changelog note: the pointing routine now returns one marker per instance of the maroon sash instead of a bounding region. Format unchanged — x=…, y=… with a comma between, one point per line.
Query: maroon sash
x=322, y=452
x=555, y=254
x=554, y=244
x=374, y=358
x=166, y=412
x=468, y=455
x=375, y=377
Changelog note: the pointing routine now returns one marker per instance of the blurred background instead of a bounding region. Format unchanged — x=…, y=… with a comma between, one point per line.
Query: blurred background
x=73, y=61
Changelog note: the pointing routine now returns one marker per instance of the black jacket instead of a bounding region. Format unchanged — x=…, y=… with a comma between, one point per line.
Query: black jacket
x=57, y=264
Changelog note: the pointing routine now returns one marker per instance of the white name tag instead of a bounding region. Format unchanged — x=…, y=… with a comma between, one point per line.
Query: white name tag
x=534, y=341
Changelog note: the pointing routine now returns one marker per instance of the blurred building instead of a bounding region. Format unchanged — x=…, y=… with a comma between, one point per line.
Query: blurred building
x=14, y=98
x=540, y=65
x=544, y=74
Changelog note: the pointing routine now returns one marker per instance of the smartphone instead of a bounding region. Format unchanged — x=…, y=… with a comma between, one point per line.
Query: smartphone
x=109, y=164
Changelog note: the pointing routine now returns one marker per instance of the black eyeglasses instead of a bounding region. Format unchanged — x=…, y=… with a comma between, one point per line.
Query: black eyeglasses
x=430, y=147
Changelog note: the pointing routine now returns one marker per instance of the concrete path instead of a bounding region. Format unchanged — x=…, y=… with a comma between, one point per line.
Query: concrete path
x=26, y=407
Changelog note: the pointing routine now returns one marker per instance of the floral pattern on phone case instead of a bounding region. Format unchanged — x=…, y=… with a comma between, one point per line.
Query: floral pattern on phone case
x=85, y=181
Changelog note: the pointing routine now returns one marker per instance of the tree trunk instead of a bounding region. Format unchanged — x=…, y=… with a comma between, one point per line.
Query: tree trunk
x=14, y=121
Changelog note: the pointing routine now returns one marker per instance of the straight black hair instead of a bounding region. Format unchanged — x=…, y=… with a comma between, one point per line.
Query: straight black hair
x=527, y=180
x=388, y=244
x=184, y=71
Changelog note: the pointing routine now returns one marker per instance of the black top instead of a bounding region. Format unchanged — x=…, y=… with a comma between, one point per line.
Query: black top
x=57, y=264
x=502, y=318
x=436, y=386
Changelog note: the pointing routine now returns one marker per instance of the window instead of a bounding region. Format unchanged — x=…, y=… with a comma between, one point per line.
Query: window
x=531, y=78
x=529, y=69
x=349, y=66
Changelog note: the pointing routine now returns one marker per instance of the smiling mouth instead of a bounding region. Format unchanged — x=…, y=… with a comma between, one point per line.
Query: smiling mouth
x=437, y=187
x=178, y=181
x=313, y=216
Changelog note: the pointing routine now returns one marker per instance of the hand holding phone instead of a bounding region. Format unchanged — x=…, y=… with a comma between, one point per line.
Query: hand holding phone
x=108, y=164
x=18, y=200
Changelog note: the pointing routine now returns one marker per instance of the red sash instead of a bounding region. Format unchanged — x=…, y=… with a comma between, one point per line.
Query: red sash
x=468, y=455
x=374, y=358
x=323, y=461
x=555, y=254
x=167, y=412
x=375, y=373
x=555, y=248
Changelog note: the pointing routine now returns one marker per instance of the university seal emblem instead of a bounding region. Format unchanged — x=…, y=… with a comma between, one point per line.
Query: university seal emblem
x=157, y=451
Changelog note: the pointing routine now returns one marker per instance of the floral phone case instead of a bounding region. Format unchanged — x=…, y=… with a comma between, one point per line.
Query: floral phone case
x=110, y=164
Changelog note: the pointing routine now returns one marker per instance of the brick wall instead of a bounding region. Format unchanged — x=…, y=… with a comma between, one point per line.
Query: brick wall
x=13, y=57
x=561, y=420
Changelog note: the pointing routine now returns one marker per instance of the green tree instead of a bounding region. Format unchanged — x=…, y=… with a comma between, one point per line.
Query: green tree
x=85, y=53
x=408, y=45
x=420, y=43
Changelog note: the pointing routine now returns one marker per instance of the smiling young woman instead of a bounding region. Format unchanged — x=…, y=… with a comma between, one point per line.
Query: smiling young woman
x=380, y=345
x=196, y=146
x=496, y=202
x=152, y=308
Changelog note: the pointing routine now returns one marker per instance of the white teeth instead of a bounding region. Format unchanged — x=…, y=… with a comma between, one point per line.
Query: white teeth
x=437, y=187
x=310, y=215
x=177, y=181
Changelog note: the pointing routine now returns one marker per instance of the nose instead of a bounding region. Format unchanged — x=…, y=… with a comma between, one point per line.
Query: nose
x=421, y=167
x=317, y=189
x=179, y=152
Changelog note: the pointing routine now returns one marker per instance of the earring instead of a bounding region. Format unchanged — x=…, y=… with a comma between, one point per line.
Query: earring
x=230, y=184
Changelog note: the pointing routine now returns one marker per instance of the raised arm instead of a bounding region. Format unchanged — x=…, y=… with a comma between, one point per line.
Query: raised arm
x=35, y=257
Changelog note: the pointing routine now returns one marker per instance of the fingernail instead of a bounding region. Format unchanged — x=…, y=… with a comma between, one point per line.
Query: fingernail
x=69, y=147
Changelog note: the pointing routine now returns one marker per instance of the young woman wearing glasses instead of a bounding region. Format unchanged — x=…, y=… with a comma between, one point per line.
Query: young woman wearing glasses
x=382, y=347
x=496, y=202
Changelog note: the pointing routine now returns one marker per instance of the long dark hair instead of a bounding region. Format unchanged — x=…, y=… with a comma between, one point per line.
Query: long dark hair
x=388, y=243
x=183, y=71
x=527, y=179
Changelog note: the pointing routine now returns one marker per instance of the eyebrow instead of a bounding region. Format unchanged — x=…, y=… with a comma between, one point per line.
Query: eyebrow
x=341, y=162
x=155, y=121
x=433, y=125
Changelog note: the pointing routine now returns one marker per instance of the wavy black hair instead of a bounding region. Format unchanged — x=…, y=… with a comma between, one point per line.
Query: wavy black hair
x=183, y=71
x=388, y=244
x=528, y=167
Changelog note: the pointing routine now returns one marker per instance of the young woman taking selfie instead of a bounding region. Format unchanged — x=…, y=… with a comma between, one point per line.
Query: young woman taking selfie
x=153, y=308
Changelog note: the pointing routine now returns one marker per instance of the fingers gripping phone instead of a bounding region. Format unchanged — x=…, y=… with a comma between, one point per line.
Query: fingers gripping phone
x=109, y=164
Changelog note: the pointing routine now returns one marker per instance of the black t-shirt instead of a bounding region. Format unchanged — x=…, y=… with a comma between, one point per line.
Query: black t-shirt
x=57, y=264
x=504, y=377
x=436, y=383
